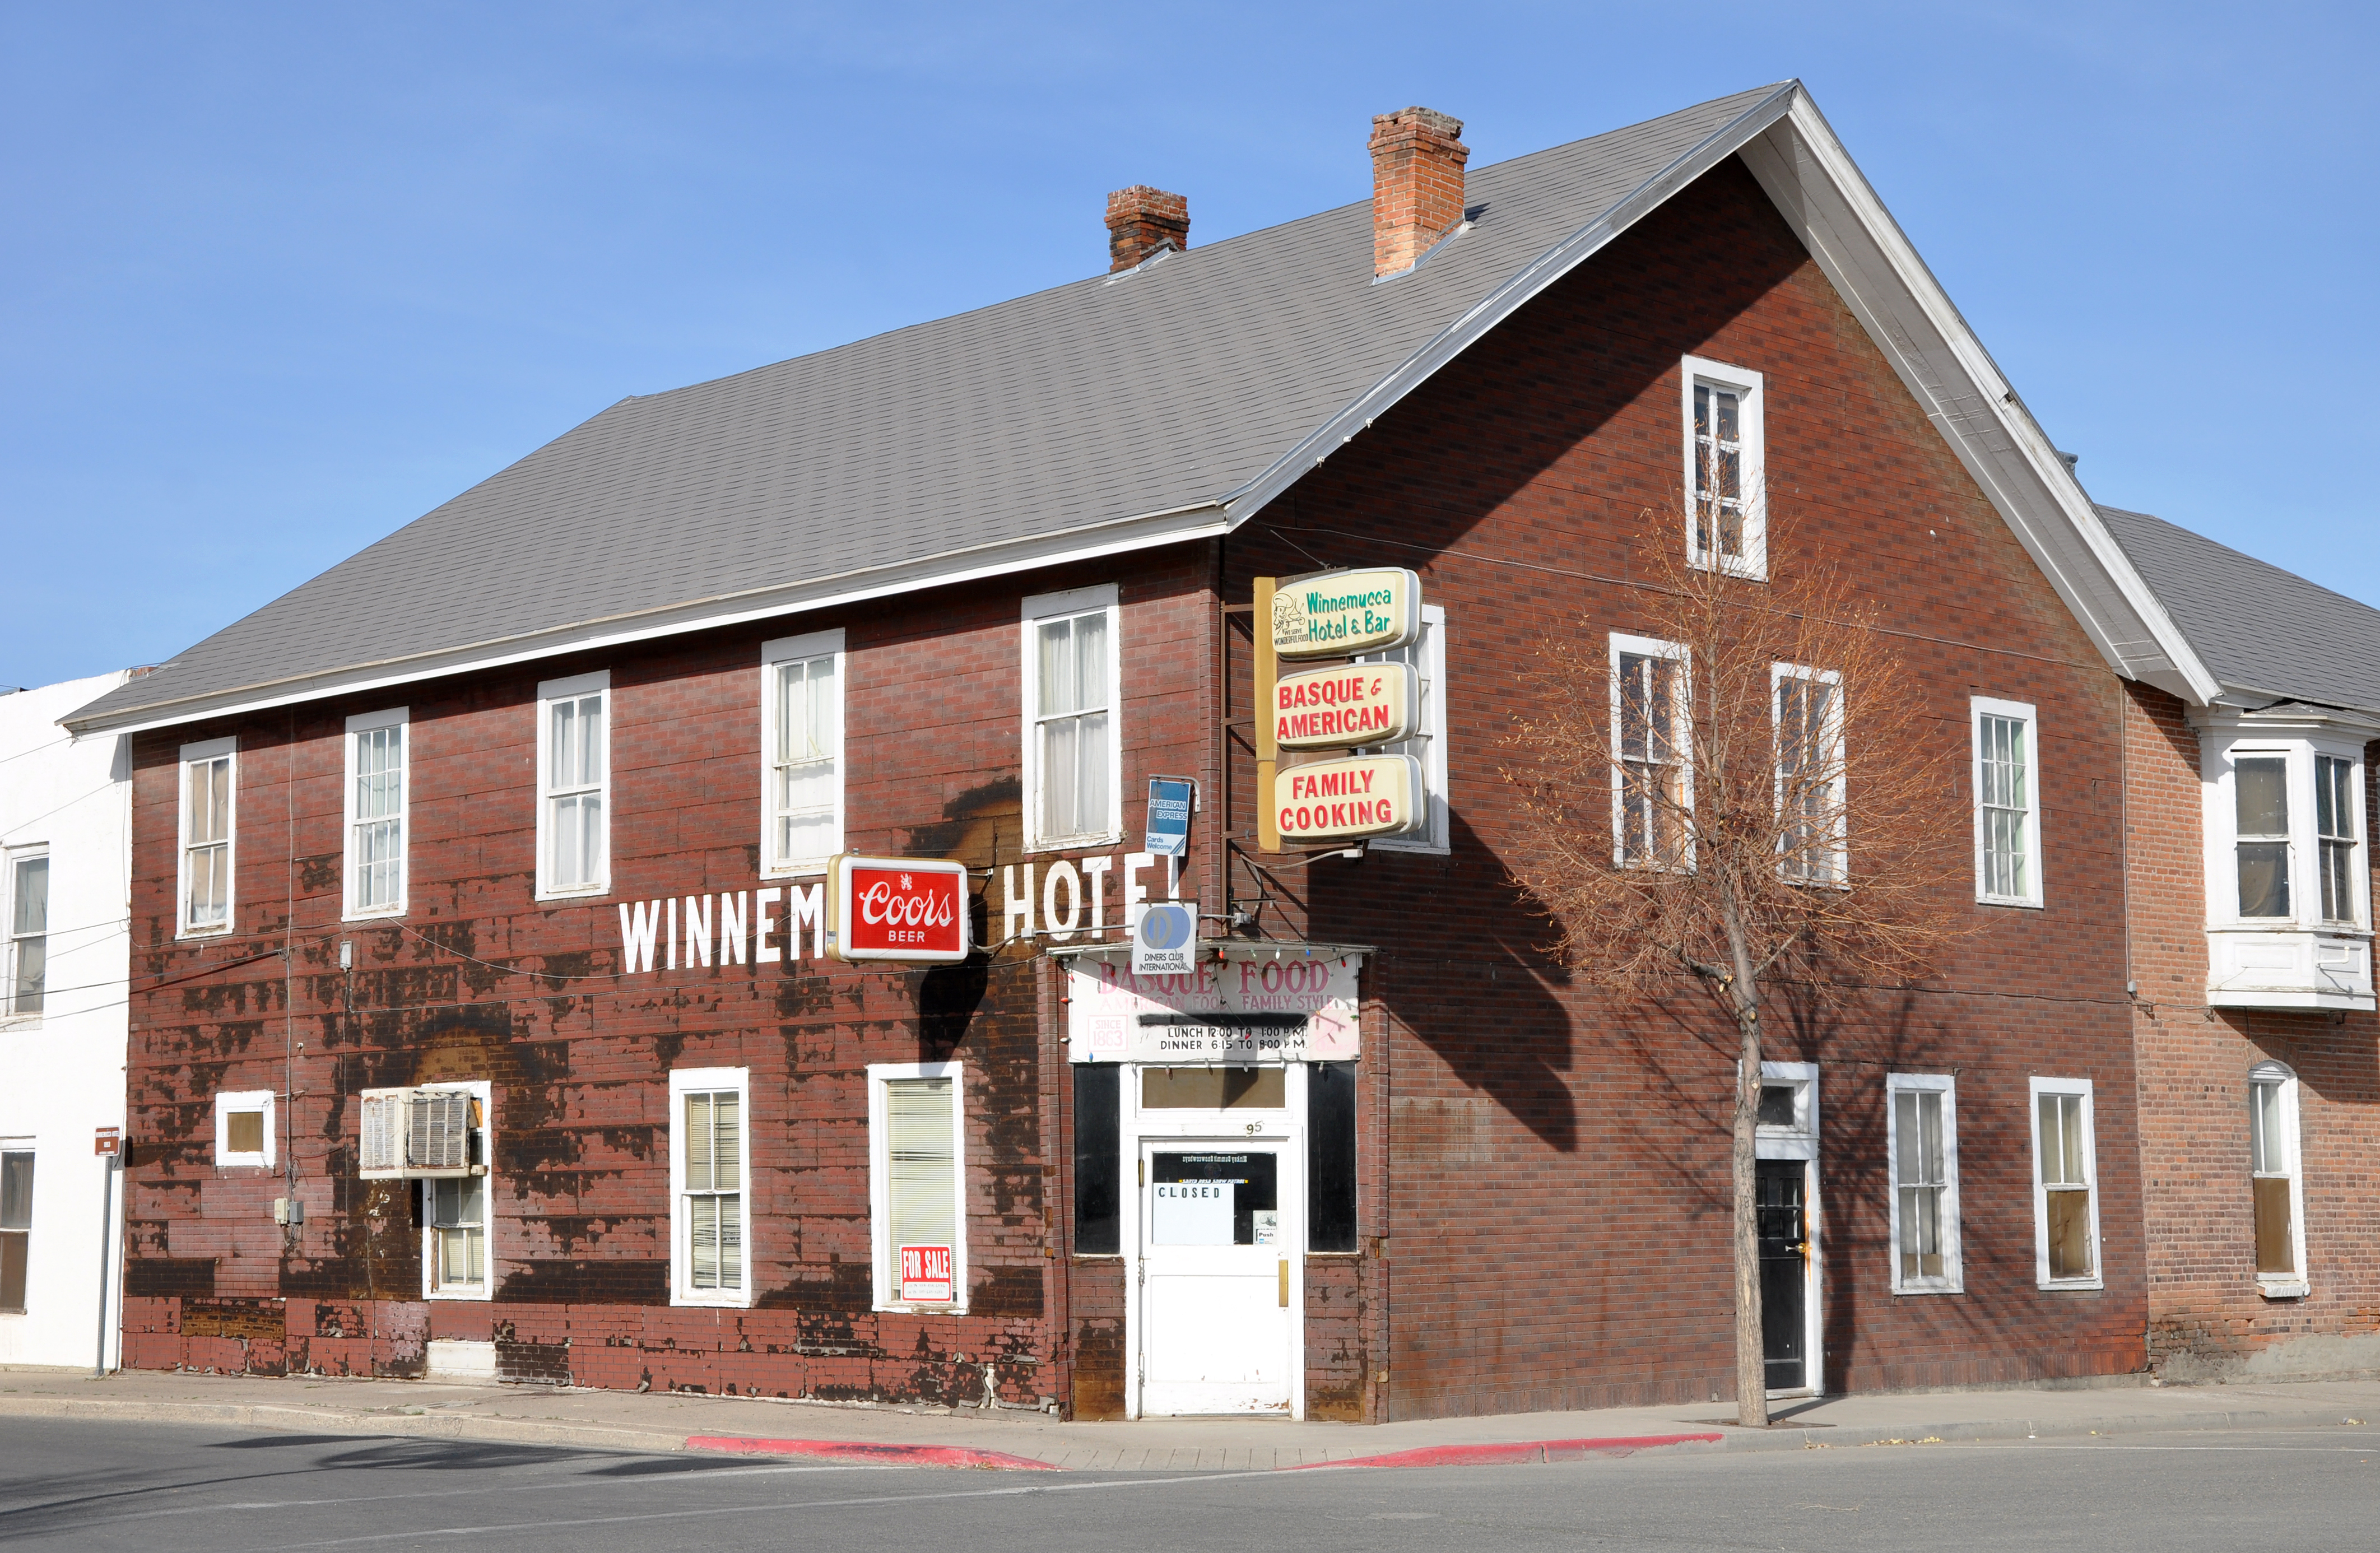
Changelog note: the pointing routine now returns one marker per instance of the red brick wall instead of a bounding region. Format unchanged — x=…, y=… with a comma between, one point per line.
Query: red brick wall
x=1556, y=1214
x=2206, y=1315
x=483, y=981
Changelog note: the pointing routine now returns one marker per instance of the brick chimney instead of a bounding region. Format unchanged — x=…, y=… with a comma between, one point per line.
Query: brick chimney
x=1142, y=219
x=1416, y=185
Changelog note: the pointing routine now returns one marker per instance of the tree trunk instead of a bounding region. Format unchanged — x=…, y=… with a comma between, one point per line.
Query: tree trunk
x=1751, y=1347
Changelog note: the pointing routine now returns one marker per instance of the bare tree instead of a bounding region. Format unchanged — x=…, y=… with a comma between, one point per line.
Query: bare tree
x=1753, y=793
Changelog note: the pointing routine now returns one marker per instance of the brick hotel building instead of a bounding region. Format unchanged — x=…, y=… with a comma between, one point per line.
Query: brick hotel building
x=523, y=813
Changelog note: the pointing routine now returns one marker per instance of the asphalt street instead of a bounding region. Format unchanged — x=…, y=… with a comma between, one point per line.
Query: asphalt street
x=99, y=1485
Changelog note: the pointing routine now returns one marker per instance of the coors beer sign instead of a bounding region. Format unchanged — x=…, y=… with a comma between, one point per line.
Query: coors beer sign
x=1337, y=614
x=911, y=909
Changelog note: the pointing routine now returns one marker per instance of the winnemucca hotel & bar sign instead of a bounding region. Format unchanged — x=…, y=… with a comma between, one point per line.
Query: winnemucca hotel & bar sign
x=715, y=970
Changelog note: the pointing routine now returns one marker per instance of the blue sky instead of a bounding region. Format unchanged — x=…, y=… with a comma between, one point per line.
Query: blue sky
x=277, y=279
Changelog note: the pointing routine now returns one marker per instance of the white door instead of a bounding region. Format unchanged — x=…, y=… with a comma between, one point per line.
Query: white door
x=1220, y=1278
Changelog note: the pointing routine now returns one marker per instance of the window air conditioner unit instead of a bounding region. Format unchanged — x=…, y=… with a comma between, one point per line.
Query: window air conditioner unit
x=412, y=1134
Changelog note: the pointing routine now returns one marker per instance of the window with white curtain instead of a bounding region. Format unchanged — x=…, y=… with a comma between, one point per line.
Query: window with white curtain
x=209, y=803
x=376, y=812
x=26, y=888
x=802, y=735
x=2008, y=802
x=1073, y=738
x=574, y=786
x=1922, y=1143
x=917, y=1159
x=709, y=1127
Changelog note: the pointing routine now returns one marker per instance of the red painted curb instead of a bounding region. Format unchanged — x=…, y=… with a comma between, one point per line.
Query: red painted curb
x=1516, y=1451
x=855, y=1450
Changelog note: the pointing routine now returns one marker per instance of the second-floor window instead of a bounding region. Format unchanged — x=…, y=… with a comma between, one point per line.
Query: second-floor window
x=1072, y=737
x=2260, y=792
x=802, y=717
x=376, y=796
x=208, y=804
x=2334, y=803
x=1809, y=730
x=27, y=953
x=1724, y=485
x=1652, y=783
x=2008, y=803
x=574, y=786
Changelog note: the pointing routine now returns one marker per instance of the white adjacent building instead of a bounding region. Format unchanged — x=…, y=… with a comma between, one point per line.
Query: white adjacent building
x=65, y=907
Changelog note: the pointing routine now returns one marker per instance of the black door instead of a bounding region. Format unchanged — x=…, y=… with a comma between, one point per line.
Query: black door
x=1784, y=1273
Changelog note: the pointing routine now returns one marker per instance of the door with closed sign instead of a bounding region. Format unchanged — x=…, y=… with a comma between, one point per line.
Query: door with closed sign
x=1219, y=1275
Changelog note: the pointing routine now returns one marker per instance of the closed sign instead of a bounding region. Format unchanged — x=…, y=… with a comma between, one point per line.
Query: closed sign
x=1333, y=615
x=1335, y=800
x=884, y=908
x=1192, y=1212
x=926, y=1274
x=1338, y=709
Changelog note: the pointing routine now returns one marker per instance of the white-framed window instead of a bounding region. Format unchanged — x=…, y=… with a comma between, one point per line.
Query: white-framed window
x=917, y=1153
x=1073, y=749
x=2007, y=777
x=2278, y=1180
x=454, y=1243
x=2283, y=821
x=1725, y=480
x=573, y=785
x=15, y=1222
x=801, y=741
x=2065, y=1185
x=378, y=778
x=1427, y=657
x=244, y=1128
x=1805, y=707
x=25, y=911
x=710, y=1248
x=210, y=802
x=2260, y=833
x=1921, y=1142
x=1652, y=778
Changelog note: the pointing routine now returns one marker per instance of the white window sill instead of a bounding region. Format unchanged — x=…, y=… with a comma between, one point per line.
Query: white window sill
x=244, y=1162
x=1749, y=571
x=222, y=932
x=806, y=869
x=2059, y=1285
x=1914, y=1289
x=897, y=1308
x=575, y=893
x=378, y=914
x=21, y=1022
x=482, y=1296
x=2283, y=1288
x=738, y=1301
x=1076, y=844
x=2007, y=901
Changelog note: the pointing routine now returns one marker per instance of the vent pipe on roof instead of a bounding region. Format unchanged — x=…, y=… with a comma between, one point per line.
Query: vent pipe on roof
x=1142, y=222
x=1416, y=185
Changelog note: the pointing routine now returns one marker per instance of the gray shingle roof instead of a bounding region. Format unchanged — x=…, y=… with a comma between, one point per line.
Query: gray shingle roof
x=2260, y=629
x=1084, y=405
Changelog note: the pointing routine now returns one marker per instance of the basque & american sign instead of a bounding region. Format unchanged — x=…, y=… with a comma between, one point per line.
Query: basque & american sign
x=1339, y=709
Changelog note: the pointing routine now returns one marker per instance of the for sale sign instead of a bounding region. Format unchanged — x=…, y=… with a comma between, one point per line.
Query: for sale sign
x=1347, y=800
x=1339, y=709
x=1334, y=615
x=926, y=1277
x=896, y=908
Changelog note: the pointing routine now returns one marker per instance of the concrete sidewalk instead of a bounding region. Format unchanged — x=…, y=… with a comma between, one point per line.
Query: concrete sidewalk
x=673, y=1421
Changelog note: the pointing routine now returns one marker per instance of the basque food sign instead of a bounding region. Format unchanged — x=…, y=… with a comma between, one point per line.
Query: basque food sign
x=1337, y=614
x=1333, y=709
x=1240, y=1011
